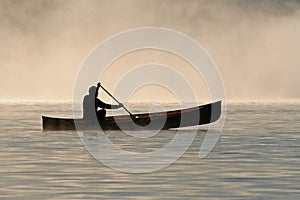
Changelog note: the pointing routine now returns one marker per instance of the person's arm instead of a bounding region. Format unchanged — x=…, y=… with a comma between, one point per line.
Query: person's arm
x=116, y=106
x=101, y=104
x=97, y=91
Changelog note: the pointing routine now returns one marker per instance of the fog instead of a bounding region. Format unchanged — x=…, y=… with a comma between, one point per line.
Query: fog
x=255, y=44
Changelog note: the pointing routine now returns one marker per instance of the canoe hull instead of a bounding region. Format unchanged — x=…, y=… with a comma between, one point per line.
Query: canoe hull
x=199, y=115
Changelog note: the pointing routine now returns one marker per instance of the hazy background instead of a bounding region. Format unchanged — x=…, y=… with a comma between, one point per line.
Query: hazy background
x=255, y=44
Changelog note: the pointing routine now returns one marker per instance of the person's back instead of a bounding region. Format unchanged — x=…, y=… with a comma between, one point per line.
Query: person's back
x=89, y=109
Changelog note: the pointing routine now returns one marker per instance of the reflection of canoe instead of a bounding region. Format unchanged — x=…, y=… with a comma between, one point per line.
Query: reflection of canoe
x=199, y=115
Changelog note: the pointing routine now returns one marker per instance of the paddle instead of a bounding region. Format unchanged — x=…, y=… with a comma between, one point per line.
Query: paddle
x=99, y=85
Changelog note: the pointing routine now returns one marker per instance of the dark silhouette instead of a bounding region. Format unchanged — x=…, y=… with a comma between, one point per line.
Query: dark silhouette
x=91, y=105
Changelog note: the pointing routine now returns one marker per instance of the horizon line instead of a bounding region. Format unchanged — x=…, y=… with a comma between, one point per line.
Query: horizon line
x=294, y=100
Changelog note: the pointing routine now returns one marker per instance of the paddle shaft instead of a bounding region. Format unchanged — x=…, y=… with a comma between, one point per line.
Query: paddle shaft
x=116, y=100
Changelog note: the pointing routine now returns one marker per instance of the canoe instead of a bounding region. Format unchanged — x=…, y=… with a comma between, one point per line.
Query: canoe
x=199, y=115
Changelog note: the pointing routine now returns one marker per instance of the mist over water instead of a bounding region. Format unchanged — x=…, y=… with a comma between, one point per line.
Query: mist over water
x=255, y=44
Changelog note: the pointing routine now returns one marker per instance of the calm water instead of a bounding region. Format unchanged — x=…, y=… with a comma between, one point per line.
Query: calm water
x=257, y=157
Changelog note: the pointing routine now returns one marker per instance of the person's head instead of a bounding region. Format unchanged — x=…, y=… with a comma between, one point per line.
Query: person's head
x=93, y=90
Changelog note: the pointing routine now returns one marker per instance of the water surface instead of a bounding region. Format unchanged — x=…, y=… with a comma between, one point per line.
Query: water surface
x=257, y=157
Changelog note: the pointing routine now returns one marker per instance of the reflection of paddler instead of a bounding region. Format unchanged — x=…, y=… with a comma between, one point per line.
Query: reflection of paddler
x=92, y=105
